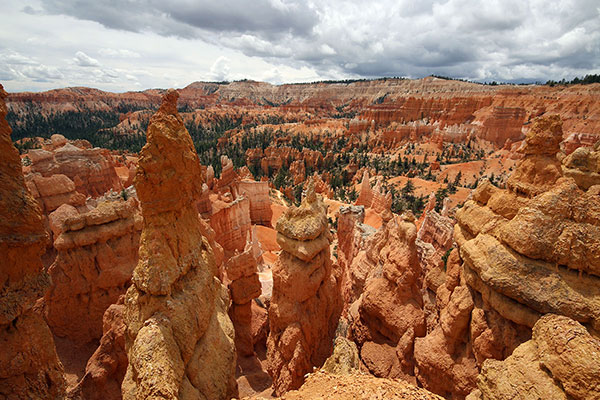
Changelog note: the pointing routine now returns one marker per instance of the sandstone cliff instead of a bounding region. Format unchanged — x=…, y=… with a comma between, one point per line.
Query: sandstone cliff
x=524, y=251
x=305, y=305
x=92, y=170
x=179, y=338
x=559, y=362
x=389, y=314
x=29, y=366
x=96, y=254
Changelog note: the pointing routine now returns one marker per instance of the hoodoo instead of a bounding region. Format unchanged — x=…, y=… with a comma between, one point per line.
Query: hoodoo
x=29, y=366
x=179, y=338
x=306, y=304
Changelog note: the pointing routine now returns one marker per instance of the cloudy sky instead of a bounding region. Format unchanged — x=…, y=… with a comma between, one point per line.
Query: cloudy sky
x=121, y=45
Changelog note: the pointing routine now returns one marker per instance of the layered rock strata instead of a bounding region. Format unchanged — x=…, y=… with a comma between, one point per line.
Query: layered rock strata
x=179, y=338
x=29, y=366
x=524, y=251
x=305, y=304
x=105, y=370
x=375, y=198
x=244, y=286
x=96, y=254
x=559, y=362
x=92, y=170
x=389, y=314
x=260, y=204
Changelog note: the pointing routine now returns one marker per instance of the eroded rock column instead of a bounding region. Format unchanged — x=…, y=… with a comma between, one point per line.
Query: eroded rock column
x=305, y=305
x=29, y=366
x=179, y=338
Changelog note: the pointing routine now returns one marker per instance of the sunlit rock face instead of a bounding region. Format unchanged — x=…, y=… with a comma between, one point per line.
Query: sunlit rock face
x=96, y=254
x=179, y=338
x=389, y=313
x=523, y=251
x=559, y=362
x=29, y=366
x=306, y=304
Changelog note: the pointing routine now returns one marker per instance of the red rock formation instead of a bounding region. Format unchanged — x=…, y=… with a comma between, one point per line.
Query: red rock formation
x=230, y=219
x=520, y=250
x=389, y=313
x=583, y=165
x=375, y=198
x=92, y=170
x=352, y=235
x=244, y=286
x=29, y=366
x=305, y=304
x=179, y=339
x=53, y=191
x=365, y=195
x=559, y=362
x=106, y=368
x=228, y=175
x=298, y=171
x=96, y=254
x=260, y=204
x=540, y=169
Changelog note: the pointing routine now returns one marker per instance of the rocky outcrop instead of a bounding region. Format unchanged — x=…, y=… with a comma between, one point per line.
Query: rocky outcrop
x=375, y=198
x=29, y=366
x=388, y=316
x=583, y=165
x=352, y=234
x=524, y=251
x=244, y=286
x=230, y=219
x=559, y=362
x=92, y=170
x=96, y=254
x=305, y=304
x=53, y=191
x=105, y=370
x=324, y=385
x=539, y=170
x=179, y=338
x=260, y=204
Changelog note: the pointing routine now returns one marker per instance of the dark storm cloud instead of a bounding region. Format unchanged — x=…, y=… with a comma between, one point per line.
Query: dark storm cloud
x=492, y=40
x=185, y=17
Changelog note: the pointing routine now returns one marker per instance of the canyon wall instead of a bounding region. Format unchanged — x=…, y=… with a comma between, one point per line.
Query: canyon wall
x=29, y=366
x=523, y=252
x=96, y=254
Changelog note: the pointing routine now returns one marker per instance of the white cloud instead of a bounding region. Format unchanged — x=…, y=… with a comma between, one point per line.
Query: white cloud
x=161, y=43
x=83, y=60
x=220, y=69
x=122, y=53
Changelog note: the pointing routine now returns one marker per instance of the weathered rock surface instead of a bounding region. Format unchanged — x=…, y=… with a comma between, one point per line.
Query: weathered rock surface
x=323, y=385
x=29, y=366
x=583, y=165
x=524, y=251
x=260, y=204
x=53, y=191
x=106, y=368
x=244, y=286
x=179, y=338
x=375, y=198
x=537, y=172
x=96, y=254
x=92, y=170
x=389, y=313
x=305, y=305
x=559, y=362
